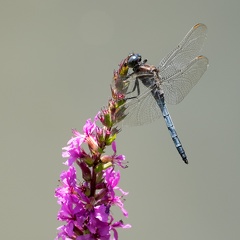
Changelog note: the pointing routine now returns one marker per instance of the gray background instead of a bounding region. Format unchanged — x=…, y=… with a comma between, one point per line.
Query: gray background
x=56, y=64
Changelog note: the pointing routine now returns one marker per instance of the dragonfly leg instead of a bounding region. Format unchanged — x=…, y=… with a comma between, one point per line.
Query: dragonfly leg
x=136, y=86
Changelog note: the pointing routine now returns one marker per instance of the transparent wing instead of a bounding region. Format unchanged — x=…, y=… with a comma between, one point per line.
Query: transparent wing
x=142, y=109
x=178, y=61
x=188, y=49
x=178, y=85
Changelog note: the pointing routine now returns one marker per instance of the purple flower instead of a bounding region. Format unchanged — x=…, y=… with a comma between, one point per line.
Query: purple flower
x=118, y=159
x=112, y=179
x=73, y=151
x=89, y=127
x=118, y=225
x=68, y=179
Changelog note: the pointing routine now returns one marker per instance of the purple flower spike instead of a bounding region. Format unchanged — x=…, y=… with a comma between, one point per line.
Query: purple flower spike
x=85, y=205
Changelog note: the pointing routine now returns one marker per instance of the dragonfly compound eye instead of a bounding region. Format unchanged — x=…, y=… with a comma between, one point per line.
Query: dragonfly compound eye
x=134, y=60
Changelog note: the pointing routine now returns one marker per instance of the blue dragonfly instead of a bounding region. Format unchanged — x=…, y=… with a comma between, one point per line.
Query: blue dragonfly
x=147, y=88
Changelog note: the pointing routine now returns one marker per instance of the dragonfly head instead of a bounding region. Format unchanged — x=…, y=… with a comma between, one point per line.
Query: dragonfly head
x=134, y=60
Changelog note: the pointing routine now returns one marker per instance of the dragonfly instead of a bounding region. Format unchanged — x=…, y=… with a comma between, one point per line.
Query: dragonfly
x=147, y=88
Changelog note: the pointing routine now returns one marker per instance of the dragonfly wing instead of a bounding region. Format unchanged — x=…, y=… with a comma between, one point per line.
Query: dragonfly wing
x=141, y=109
x=188, y=49
x=178, y=85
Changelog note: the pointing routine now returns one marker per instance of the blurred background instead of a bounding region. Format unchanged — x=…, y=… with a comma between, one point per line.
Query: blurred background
x=57, y=58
